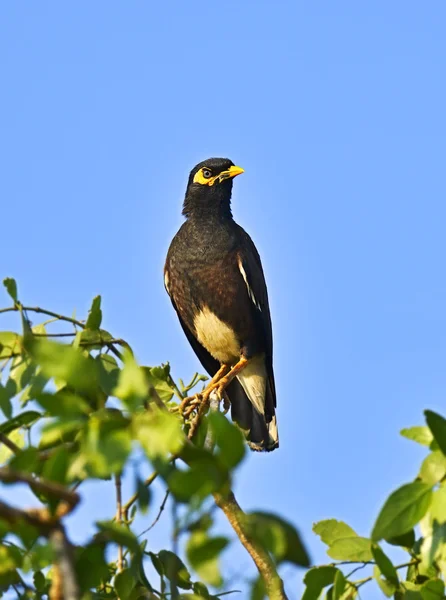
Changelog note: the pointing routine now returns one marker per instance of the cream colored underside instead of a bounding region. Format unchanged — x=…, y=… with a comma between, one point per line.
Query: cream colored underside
x=218, y=339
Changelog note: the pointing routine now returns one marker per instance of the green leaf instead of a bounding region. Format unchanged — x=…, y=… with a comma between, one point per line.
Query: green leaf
x=25, y=418
x=406, y=540
x=402, y=510
x=94, y=318
x=132, y=386
x=204, y=476
x=438, y=506
x=351, y=548
x=385, y=564
x=36, y=386
x=39, y=581
x=157, y=378
x=437, y=424
x=159, y=433
x=120, y=534
x=411, y=591
x=201, y=590
x=93, y=339
x=91, y=567
x=388, y=588
x=124, y=584
x=433, y=468
x=106, y=443
x=56, y=467
x=5, y=402
x=316, y=579
x=108, y=371
x=65, y=363
x=331, y=530
x=27, y=460
x=433, y=590
x=228, y=438
x=144, y=495
x=10, y=343
x=11, y=287
x=339, y=585
x=10, y=558
x=174, y=569
x=279, y=537
x=202, y=553
x=61, y=430
x=64, y=404
x=21, y=373
x=419, y=434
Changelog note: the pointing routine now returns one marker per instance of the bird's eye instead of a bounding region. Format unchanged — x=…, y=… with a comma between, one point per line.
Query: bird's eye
x=207, y=173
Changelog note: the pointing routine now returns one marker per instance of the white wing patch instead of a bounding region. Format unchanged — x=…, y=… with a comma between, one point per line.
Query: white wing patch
x=166, y=281
x=250, y=292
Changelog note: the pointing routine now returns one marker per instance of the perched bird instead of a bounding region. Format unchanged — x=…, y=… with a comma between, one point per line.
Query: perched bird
x=214, y=277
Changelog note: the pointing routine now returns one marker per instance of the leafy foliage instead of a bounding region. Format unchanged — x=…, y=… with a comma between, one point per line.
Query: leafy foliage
x=87, y=410
x=419, y=505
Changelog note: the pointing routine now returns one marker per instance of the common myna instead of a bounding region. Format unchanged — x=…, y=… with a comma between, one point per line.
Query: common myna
x=214, y=277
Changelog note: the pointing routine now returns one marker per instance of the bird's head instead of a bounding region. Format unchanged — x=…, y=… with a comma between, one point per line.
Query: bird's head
x=209, y=187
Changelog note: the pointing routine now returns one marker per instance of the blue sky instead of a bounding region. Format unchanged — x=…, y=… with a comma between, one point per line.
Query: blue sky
x=336, y=111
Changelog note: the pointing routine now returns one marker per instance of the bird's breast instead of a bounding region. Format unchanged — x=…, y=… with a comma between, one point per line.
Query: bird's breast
x=216, y=336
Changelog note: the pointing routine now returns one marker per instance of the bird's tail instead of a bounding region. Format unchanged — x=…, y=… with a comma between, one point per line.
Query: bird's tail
x=260, y=428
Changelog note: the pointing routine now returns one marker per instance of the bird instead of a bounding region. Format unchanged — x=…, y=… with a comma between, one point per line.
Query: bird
x=214, y=278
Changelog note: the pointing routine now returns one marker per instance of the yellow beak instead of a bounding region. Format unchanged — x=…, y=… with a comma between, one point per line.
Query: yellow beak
x=231, y=172
x=234, y=171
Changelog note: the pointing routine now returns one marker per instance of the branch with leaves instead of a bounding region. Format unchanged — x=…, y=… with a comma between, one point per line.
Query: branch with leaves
x=83, y=412
x=75, y=409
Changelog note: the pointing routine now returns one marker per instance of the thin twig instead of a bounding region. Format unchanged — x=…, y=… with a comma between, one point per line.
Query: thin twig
x=158, y=516
x=361, y=582
x=118, y=484
x=128, y=505
x=43, y=311
x=175, y=388
x=59, y=317
x=4, y=439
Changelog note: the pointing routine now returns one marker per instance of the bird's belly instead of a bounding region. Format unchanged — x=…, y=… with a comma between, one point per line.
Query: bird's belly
x=217, y=337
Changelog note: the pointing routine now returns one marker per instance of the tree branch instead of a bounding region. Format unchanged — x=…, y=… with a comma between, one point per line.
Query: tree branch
x=58, y=317
x=237, y=519
x=118, y=484
x=4, y=439
x=47, y=487
x=65, y=564
x=264, y=563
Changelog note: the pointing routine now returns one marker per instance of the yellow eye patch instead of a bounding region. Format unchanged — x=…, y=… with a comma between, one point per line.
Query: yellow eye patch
x=202, y=180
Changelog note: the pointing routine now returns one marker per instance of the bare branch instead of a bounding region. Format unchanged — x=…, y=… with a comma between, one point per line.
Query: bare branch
x=4, y=439
x=58, y=317
x=47, y=487
x=118, y=484
x=65, y=564
x=264, y=563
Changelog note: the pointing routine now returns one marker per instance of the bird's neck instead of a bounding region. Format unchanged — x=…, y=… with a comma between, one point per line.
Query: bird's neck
x=212, y=204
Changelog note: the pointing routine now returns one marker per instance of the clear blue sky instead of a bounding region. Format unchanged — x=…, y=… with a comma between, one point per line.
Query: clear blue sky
x=336, y=111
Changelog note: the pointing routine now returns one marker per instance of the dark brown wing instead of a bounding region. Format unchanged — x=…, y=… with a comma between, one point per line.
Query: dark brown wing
x=251, y=268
